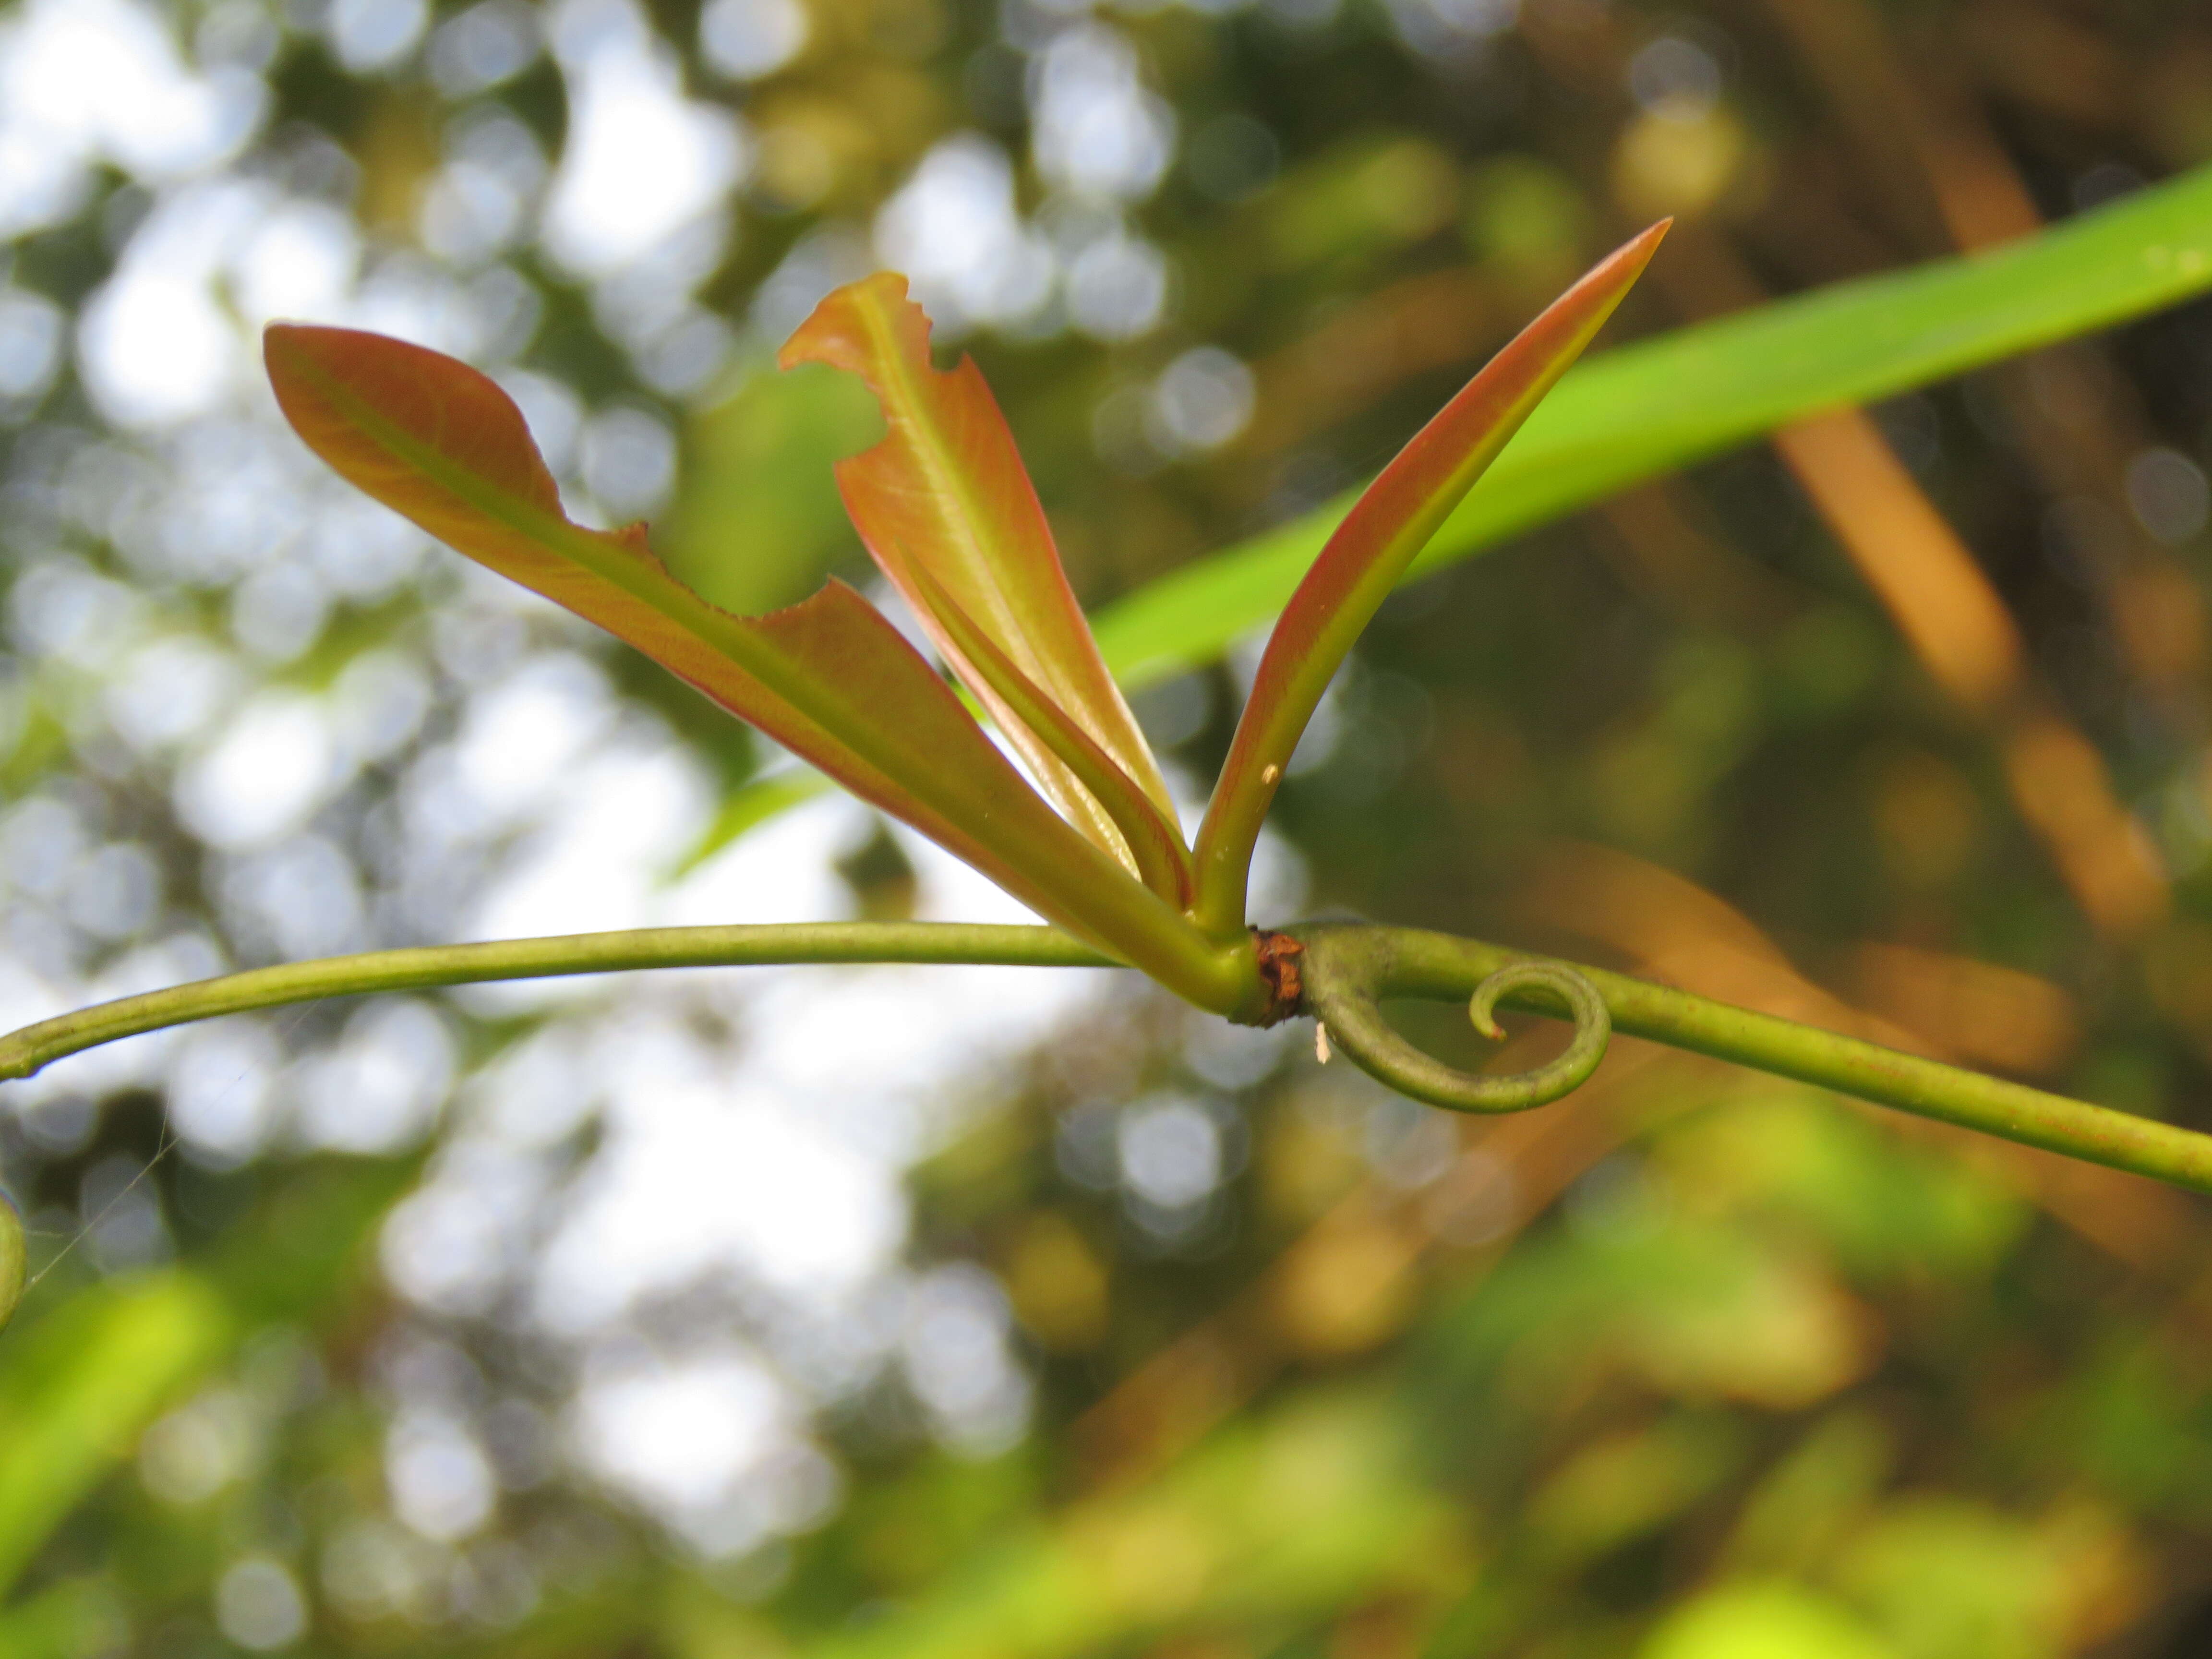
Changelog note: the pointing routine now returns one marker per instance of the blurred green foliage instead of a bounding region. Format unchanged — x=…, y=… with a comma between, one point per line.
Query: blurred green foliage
x=759, y=522
x=1691, y=1366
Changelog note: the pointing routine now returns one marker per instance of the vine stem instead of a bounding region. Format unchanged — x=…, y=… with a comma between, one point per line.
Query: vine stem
x=1367, y=964
x=428, y=967
x=1352, y=961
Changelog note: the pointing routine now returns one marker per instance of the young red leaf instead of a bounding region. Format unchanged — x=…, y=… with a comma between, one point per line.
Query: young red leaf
x=945, y=492
x=831, y=679
x=1370, y=550
x=1163, y=861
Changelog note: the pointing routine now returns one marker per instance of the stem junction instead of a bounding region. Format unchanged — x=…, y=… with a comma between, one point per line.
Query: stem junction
x=1339, y=973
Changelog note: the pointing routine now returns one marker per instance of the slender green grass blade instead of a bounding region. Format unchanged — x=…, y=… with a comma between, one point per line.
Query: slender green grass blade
x=752, y=802
x=65, y=1621
x=1665, y=404
x=80, y=1382
x=1653, y=408
x=79, y=1387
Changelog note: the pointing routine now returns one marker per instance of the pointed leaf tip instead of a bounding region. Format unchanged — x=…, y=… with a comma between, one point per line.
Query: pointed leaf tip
x=329, y=381
x=1370, y=550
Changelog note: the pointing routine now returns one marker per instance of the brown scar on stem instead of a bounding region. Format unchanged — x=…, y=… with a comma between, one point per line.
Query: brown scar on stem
x=1279, y=954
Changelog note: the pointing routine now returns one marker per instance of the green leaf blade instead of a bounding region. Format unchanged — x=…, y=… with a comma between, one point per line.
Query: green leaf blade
x=1653, y=408
x=81, y=1384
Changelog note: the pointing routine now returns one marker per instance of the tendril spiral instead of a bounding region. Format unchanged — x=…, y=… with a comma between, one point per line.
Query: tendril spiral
x=1348, y=1008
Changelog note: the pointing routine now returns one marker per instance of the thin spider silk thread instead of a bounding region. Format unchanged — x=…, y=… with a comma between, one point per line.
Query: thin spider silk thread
x=168, y=1143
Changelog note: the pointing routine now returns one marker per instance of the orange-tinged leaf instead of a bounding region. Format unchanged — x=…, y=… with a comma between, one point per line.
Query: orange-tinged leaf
x=1361, y=563
x=946, y=491
x=829, y=678
x=1155, y=841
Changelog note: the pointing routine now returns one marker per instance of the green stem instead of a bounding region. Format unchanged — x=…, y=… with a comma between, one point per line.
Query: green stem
x=22, y=1053
x=1360, y=965
x=1345, y=971
x=11, y=1259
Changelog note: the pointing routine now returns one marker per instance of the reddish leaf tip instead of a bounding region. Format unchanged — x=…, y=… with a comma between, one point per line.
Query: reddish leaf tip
x=351, y=394
x=1626, y=263
x=1370, y=550
x=298, y=338
x=837, y=330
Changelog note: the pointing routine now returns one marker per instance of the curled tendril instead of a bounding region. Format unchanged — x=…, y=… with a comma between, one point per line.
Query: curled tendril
x=1345, y=1000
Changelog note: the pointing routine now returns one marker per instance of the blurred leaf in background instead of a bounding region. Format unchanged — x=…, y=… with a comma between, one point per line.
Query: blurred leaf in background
x=746, y=1315
x=757, y=523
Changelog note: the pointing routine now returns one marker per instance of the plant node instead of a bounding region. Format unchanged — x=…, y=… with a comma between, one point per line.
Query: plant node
x=1278, y=956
